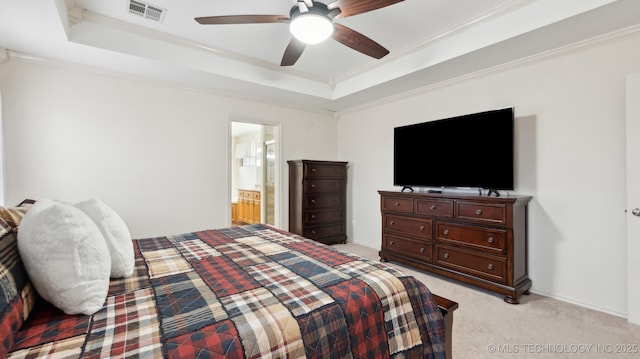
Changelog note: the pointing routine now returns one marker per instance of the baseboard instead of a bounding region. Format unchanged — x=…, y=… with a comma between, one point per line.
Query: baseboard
x=580, y=304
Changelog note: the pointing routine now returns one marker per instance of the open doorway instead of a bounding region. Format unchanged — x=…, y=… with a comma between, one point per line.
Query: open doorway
x=254, y=173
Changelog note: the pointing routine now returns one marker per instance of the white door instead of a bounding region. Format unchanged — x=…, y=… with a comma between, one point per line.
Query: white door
x=633, y=198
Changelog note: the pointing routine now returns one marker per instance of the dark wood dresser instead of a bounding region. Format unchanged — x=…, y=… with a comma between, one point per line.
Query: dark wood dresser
x=481, y=241
x=317, y=200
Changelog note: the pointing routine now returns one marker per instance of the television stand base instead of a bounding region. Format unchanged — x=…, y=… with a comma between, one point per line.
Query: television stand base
x=493, y=191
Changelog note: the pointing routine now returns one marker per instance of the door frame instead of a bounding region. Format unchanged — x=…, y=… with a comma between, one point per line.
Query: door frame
x=278, y=164
x=633, y=197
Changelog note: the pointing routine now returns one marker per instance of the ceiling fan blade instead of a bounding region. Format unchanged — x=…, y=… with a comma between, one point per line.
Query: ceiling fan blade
x=241, y=19
x=358, y=42
x=293, y=52
x=355, y=7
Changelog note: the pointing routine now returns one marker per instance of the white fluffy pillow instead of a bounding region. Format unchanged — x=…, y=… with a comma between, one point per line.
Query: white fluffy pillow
x=116, y=234
x=65, y=256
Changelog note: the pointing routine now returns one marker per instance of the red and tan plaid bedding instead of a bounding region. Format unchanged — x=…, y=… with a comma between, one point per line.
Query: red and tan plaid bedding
x=245, y=292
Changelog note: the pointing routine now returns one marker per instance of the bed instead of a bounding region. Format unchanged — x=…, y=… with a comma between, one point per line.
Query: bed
x=241, y=292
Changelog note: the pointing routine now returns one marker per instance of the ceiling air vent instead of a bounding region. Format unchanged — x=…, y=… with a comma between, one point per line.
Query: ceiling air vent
x=146, y=10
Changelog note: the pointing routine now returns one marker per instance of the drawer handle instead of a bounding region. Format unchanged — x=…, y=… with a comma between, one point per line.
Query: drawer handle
x=397, y=204
x=478, y=212
x=433, y=207
x=490, y=266
x=313, y=216
x=392, y=223
x=446, y=255
x=391, y=243
x=490, y=239
x=313, y=201
x=422, y=250
x=313, y=170
x=313, y=231
x=422, y=228
x=446, y=232
x=313, y=186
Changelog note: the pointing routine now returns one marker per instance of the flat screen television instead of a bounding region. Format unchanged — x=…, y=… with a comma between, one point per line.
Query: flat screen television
x=474, y=150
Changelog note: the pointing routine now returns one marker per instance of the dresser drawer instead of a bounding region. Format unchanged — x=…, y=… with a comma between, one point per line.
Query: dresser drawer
x=318, y=200
x=477, y=237
x=317, y=186
x=486, y=266
x=322, y=170
x=481, y=212
x=417, y=227
x=431, y=207
x=323, y=216
x=408, y=247
x=330, y=230
x=395, y=204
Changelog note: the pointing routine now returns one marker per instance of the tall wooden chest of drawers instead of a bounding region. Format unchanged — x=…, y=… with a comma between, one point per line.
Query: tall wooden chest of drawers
x=317, y=200
x=481, y=241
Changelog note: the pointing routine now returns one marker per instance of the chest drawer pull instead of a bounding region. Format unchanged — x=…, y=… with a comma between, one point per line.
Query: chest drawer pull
x=478, y=212
x=392, y=223
x=313, y=170
x=446, y=255
x=313, y=201
x=446, y=232
x=422, y=228
x=397, y=204
x=490, y=239
x=313, y=186
x=422, y=250
x=313, y=231
x=490, y=266
x=433, y=206
x=313, y=216
x=390, y=243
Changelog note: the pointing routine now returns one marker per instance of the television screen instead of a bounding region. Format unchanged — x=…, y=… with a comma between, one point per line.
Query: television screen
x=474, y=150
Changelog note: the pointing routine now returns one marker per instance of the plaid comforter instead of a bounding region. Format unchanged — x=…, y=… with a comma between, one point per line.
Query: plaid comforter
x=245, y=292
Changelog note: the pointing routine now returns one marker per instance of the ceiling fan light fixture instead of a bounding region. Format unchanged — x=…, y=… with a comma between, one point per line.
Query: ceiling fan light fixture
x=311, y=28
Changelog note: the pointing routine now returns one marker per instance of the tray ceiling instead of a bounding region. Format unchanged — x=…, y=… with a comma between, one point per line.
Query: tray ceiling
x=429, y=42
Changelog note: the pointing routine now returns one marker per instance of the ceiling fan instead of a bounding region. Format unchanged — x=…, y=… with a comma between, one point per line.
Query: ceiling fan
x=311, y=22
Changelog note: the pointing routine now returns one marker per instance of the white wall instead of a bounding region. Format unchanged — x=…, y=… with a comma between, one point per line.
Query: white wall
x=158, y=155
x=570, y=156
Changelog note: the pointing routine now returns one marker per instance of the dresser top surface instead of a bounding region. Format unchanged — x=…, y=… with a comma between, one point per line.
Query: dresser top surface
x=522, y=199
x=299, y=162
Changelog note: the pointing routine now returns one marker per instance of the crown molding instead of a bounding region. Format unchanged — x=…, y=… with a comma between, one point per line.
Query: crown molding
x=615, y=36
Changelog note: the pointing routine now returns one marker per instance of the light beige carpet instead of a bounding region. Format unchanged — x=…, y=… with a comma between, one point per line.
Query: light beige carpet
x=484, y=326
